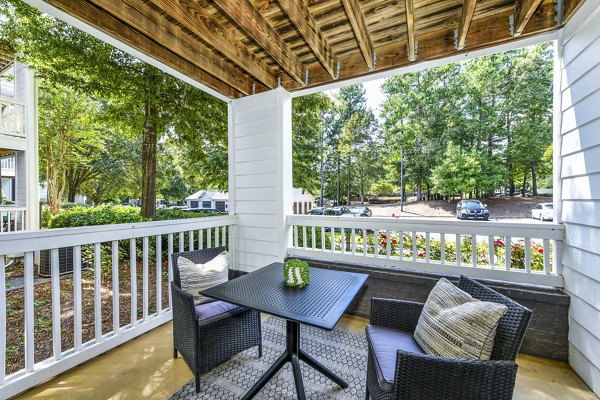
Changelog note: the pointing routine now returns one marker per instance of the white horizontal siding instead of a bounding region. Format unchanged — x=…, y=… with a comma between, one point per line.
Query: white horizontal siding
x=584, y=137
x=260, y=176
x=578, y=91
x=582, y=187
x=581, y=163
x=582, y=212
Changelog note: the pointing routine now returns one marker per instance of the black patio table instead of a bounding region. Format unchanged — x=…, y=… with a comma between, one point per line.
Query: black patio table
x=321, y=303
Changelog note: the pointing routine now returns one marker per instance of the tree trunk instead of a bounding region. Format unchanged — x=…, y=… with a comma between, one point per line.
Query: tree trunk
x=149, y=160
x=72, y=191
x=419, y=191
x=534, y=189
x=524, y=184
x=339, y=183
x=321, y=170
x=348, y=194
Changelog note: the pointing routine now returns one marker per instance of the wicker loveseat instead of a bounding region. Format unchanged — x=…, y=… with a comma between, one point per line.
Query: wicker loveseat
x=208, y=334
x=399, y=369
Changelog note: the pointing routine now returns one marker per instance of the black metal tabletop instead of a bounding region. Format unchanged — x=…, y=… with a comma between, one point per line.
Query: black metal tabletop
x=321, y=303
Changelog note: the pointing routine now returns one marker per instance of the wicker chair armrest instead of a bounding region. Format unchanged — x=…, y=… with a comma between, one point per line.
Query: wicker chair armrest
x=185, y=325
x=397, y=314
x=421, y=376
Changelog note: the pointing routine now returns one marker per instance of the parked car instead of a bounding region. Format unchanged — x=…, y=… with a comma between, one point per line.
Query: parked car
x=323, y=211
x=543, y=212
x=361, y=211
x=342, y=210
x=205, y=210
x=472, y=209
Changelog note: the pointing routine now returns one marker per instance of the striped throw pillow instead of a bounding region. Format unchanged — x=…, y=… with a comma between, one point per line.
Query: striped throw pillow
x=455, y=325
x=197, y=277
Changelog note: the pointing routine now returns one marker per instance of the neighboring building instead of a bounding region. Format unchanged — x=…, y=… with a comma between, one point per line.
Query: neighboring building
x=211, y=199
x=303, y=201
x=208, y=199
x=20, y=207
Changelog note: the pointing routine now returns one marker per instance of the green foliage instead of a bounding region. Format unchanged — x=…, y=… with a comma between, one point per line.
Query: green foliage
x=383, y=188
x=101, y=215
x=471, y=127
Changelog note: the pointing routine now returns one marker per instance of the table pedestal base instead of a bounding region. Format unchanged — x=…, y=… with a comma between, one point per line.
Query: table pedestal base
x=293, y=354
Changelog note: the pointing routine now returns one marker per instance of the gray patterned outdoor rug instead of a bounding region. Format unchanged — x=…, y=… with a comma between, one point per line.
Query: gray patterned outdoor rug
x=342, y=351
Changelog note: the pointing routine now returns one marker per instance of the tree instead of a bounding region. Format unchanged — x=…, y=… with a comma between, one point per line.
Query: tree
x=308, y=113
x=66, y=134
x=139, y=98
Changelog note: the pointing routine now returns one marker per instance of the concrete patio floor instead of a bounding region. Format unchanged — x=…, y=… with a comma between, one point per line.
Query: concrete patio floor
x=144, y=368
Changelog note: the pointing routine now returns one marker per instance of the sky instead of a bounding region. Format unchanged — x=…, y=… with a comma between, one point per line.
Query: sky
x=375, y=96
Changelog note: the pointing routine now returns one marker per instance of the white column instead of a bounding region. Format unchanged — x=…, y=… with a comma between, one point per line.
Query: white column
x=32, y=151
x=260, y=177
x=577, y=183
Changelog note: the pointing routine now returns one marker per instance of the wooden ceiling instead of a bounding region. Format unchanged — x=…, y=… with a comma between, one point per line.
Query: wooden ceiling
x=240, y=47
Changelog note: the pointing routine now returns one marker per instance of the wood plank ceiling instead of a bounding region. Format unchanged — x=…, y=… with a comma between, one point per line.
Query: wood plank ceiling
x=240, y=47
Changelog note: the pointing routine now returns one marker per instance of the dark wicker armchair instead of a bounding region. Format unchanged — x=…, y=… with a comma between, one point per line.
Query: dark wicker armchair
x=399, y=369
x=208, y=334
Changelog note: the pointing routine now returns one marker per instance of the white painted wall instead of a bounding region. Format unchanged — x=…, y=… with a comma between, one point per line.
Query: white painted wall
x=260, y=176
x=577, y=182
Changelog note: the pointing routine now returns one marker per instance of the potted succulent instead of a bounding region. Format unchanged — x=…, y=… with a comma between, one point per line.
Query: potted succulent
x=296, y=272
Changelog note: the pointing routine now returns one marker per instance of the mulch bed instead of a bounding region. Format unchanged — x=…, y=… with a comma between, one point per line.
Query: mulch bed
x=15, y=354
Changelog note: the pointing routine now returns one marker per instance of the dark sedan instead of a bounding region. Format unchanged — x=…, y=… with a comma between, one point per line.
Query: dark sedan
x=472, y=209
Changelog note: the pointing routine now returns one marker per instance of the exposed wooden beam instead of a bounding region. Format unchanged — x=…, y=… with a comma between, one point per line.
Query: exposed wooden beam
x=102, y=20
x=524, y=10
x=410, y=30
x=149, y=22
x=252, y=22
x=433, y=46
x=300, y=15
x=193, y=16
x=468, y=10
x=359, y=26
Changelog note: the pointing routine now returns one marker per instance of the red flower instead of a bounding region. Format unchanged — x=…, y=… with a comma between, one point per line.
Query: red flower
x=498, y=242
x=383, y=235
x=384, y=244
x=404, y=238
x=420, y=254
x=394, y=241
x=540, y=251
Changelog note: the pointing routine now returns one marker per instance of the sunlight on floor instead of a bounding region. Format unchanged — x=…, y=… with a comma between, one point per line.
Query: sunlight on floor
x=144, y=368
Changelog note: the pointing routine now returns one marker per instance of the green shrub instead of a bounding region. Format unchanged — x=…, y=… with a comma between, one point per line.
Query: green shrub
x=173, y=213
x=101, y=215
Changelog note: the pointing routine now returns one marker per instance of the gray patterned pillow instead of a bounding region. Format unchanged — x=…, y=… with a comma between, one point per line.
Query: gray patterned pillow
x=455, y=325
x=197, y=277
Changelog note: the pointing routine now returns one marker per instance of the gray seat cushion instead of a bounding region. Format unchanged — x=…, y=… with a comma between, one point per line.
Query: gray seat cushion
x=384, y=343
x=216, y=310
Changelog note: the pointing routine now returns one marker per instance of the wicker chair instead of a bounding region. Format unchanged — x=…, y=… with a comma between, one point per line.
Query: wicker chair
x=415, y=375
x=208, y=334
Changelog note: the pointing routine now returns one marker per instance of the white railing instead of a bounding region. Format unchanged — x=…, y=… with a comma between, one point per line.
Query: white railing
x=522, y=252
x=12, y=219
x=12, y=118
x=126, y=259
x=7, y=163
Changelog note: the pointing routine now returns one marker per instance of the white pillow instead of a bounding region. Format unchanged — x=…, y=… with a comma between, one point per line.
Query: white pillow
x=453, y=324
x=197, y=277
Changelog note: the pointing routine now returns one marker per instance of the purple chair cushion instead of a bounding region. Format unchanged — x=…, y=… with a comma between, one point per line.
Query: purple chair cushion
x=383, y=344
x=216, y=310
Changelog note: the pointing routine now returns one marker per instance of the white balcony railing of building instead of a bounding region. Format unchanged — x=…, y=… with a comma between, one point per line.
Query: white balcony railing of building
x=7, y=164
x=12, y=117
x=12, y=219
x=516, y=252
x=133, y=260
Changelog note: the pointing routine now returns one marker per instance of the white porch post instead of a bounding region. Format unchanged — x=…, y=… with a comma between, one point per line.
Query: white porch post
x=32, y=153
x=577, y=183
x=260, y=177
